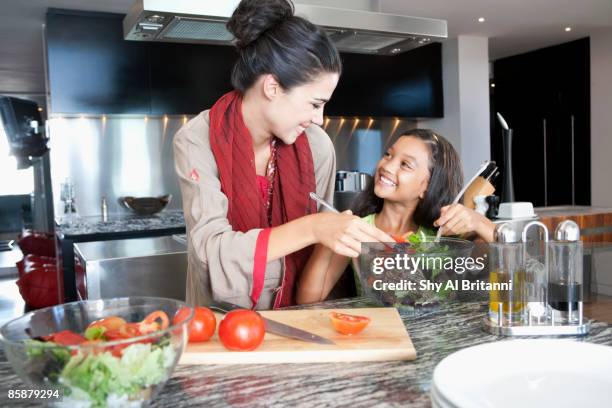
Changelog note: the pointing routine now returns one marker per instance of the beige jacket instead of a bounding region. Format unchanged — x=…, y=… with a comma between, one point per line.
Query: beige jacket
x=221, y=260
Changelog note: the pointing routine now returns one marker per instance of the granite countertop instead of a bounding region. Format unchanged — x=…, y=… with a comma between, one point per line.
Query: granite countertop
x=120, y=223
x=435, y=335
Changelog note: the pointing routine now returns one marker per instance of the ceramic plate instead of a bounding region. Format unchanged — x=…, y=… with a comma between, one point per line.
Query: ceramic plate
x=526, y=373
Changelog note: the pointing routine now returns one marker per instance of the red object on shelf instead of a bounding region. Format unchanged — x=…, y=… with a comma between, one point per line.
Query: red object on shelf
x=20, y=267
x=38, y=270
x=32, y=262
x=38, y=288
x=37, y=243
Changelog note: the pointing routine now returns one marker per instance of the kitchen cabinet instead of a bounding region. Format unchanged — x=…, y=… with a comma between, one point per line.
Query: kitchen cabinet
x=187, y=78
x=404, y=85
x=544, y=96
x=92, y=70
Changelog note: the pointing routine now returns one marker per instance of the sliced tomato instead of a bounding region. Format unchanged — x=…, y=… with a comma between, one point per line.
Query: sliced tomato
x=117, y=350
x=67, y=338
x=129, y=330
x=112, y=335
x=399, y=239
x=348, y=324
x=109, y=323
x=150, y=324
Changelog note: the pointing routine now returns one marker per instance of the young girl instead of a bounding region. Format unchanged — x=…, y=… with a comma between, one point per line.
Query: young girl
x=413, y=184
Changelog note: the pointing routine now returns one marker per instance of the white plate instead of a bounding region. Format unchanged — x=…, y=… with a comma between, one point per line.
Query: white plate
x=526, y=373
x=438, y=401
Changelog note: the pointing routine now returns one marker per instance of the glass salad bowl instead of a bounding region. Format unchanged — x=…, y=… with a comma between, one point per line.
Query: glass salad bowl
x=108, y=363
x=438, y=262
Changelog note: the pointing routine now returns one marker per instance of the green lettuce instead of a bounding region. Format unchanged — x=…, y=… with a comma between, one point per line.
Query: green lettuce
x=100, y=375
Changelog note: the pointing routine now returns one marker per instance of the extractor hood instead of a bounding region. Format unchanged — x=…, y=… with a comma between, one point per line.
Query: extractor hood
x=203, y=21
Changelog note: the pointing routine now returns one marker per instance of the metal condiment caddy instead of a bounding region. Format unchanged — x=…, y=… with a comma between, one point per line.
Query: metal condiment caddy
x=544, y=292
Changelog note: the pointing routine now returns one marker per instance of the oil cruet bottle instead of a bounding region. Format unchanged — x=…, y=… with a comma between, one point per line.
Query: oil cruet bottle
x=565, y=274
x=506, y=306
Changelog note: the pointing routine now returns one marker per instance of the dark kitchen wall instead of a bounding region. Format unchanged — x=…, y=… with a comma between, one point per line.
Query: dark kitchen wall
x=93, y=70
x=544, y=96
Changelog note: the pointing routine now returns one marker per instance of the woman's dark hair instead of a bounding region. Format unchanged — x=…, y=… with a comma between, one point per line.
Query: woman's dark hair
x=445, y=181
x=272, y=40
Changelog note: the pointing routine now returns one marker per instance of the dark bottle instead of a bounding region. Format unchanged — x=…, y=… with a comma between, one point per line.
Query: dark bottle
x=564, y=297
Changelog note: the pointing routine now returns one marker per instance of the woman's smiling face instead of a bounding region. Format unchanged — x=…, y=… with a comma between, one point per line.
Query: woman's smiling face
x=402, y=175
x=291, y=112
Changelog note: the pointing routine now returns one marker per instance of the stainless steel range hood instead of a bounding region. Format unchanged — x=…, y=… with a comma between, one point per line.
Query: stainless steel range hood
x=203, y=21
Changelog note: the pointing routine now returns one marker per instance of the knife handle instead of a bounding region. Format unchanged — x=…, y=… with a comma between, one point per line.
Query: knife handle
x=224, y=307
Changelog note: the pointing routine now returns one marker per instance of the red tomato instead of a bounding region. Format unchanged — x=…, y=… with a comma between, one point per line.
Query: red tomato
x=109, y=323
x=348, y=324
x=242, y=330
x=201, y=327
x=67, y=338
x=129, y=330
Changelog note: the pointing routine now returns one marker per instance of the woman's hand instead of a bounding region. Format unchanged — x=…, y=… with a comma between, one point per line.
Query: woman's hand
x=343, y=233
x=457, y=219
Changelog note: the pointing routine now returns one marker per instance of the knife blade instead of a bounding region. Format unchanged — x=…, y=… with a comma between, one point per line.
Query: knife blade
x=274, y=327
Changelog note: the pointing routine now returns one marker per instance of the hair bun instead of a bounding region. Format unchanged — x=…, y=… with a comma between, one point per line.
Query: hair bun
x=253, y=17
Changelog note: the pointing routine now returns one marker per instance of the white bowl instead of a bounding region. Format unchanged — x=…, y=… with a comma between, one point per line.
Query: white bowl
x=526, y=373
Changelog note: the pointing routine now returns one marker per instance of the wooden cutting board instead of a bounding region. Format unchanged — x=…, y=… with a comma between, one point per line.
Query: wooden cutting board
x=385, y=338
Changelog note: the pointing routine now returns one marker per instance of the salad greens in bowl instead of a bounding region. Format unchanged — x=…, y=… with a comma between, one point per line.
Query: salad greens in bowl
x=416, y=282
x=98, y=353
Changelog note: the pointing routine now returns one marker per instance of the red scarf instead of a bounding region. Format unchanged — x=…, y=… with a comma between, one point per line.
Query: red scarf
x=232, y=146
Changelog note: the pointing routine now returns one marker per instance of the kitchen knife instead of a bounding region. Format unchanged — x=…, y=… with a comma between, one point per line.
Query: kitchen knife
x=275, y=327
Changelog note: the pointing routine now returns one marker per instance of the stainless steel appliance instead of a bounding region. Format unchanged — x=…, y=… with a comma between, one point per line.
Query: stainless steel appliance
x=352, y=29
x=132, y=267
x=348, y=186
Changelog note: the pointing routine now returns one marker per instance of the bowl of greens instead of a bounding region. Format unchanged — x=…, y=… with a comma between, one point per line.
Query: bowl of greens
x=98, y=353
x=415, y=273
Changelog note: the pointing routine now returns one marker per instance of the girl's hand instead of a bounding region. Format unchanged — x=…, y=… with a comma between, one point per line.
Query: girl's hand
x=457, y=219
x=343, y=233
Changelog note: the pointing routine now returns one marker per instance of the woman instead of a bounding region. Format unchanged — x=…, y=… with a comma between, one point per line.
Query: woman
x=246, y=166
x=413, y=183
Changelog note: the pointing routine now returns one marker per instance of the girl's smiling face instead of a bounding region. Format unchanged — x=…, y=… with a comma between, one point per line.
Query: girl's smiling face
x=402, y=175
